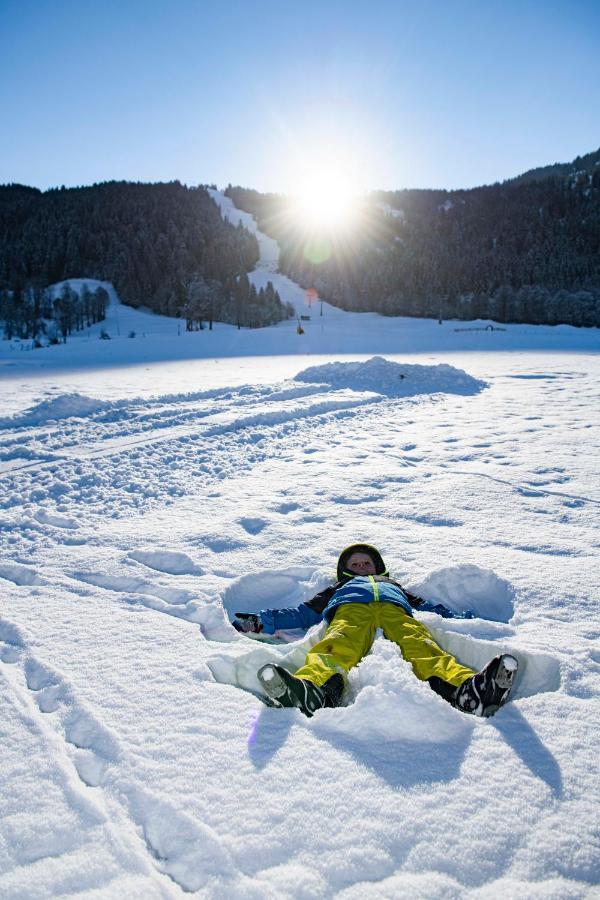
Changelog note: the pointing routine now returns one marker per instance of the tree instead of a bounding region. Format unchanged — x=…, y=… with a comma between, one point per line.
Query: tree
x=199, y=303
x=64, y=310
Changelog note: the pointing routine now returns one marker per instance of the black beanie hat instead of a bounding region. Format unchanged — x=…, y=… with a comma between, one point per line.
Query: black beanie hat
x=380, y=568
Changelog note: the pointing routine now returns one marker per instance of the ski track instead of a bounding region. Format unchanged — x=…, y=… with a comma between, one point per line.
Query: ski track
x=150, y=831
x=81, y=751
x=190, y=446
x=107, y=459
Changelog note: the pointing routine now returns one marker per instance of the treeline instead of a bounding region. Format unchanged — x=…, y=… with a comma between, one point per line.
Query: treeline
x=36, y=313
x=150, y=240
x=241, y=304
x=527, y=250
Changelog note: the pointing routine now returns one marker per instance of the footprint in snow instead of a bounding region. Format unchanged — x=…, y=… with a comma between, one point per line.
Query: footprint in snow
x=188, y=851
x=219, y=544
x=46, y=518
x=355, y=501
x=49, y=688
x=91, y=746
x=94, y=746
x=165, y=596
x=12, y=642
x=20, y=575
x=286, y=508
x=172, y=562
x=253, y=525
x=436, y=521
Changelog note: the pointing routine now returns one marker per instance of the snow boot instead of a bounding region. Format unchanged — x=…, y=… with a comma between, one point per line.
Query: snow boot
x=283, y=689
x=484, y=693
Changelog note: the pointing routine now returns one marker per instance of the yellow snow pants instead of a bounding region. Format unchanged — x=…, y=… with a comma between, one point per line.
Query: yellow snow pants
x=351, y=634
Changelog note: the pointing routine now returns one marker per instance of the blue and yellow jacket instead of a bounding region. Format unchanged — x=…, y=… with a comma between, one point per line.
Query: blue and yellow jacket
x=351, y=588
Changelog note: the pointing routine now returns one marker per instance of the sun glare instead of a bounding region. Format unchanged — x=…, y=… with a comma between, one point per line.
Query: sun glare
x=325, y=202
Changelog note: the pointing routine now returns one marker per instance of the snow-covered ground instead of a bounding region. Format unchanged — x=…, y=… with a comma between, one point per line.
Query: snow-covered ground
x=152, y=486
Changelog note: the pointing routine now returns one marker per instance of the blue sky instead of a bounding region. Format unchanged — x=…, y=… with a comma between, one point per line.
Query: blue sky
x=437, y=93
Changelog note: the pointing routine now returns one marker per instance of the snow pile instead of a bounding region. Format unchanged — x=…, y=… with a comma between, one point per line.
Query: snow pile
x=467, y=586
x=392, y=379
x=390, y=704
x=63, y=406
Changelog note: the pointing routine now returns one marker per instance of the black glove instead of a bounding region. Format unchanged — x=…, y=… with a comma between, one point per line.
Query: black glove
x=247, y=623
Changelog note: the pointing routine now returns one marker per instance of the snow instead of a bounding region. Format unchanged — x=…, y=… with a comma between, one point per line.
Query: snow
x=392, y=211
x=465, y=587
x=152, y=487
x=391, y=378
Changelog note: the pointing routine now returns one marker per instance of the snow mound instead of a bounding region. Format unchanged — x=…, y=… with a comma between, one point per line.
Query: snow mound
x=393, y=705
x=63, y=406
x=392, y=379
x=467, y=586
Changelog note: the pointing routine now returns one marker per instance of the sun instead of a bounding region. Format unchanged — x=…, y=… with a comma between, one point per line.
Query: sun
x=325, y=201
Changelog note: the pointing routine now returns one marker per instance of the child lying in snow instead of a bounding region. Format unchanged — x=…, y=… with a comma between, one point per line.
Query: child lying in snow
x=363, y=599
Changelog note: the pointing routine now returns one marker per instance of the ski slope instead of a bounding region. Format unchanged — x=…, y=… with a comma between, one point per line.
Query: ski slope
x=153, y=486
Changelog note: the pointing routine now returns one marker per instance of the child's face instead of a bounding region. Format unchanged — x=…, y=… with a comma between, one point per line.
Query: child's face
x=361, y=564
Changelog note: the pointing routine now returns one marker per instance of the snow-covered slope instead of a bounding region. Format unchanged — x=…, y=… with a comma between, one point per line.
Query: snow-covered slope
x=138, y=336
x=142, y=505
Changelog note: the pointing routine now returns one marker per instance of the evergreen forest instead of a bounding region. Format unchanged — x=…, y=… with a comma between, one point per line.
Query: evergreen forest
x=163, y=246
x=526, y=250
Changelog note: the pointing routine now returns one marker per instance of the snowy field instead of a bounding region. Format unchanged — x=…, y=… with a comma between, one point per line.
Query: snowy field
x=152, y=486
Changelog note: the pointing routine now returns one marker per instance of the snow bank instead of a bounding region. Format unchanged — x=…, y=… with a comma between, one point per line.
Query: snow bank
x=393, y=379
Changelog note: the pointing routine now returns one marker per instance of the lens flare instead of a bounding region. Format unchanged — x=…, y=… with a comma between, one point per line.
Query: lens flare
x=325, y=202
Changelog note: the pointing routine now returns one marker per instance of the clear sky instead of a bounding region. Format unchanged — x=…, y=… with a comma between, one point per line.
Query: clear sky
x=430, y=93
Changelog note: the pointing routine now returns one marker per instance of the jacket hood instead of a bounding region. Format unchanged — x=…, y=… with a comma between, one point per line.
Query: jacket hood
x=373, y=552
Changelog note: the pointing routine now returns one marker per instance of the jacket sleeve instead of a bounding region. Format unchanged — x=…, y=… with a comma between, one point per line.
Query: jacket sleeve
x=304, y=616
x=443, y=611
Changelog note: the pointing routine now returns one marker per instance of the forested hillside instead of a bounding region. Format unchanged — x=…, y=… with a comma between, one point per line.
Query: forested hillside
x=163, y=246
x=527, y=250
